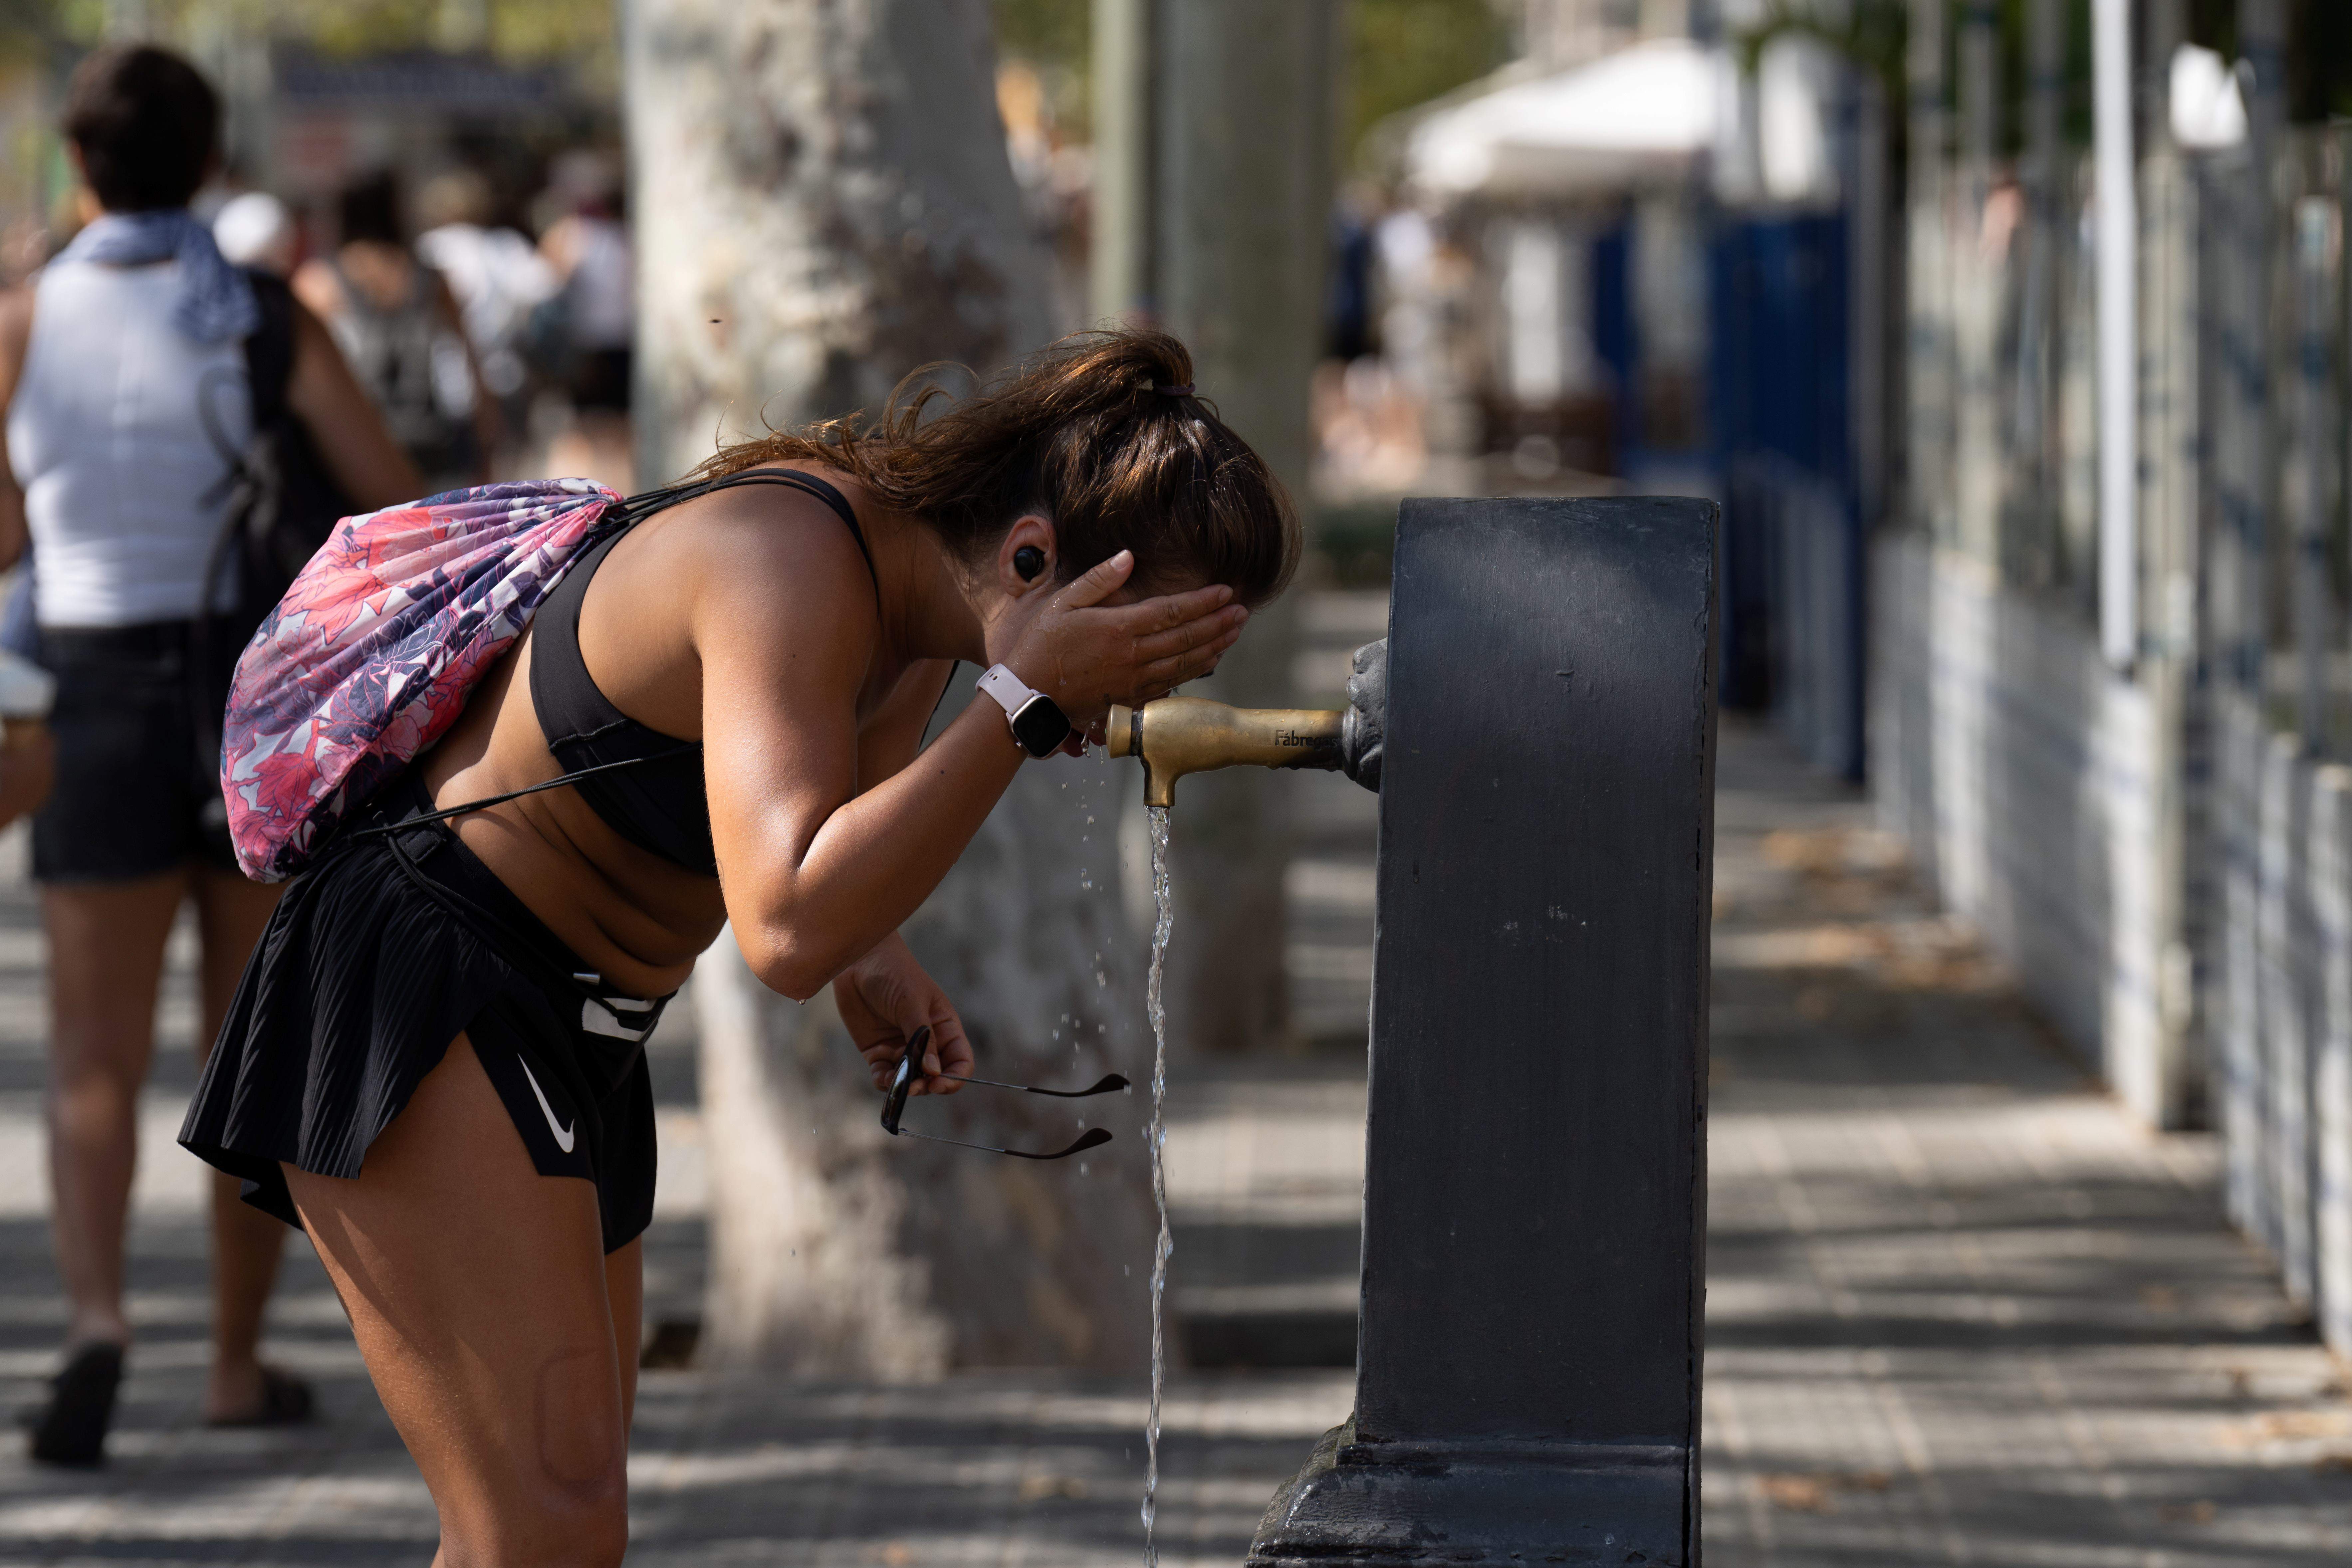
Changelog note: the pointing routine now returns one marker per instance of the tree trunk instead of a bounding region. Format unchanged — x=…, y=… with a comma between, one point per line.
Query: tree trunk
x=823, y=203
x=1228, y=248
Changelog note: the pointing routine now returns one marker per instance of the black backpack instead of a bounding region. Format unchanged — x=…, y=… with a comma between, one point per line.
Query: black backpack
x=282, y=505
x=282, y=501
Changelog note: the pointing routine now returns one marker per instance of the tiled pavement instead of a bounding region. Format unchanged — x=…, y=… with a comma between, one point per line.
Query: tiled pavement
x=1959, y=1312
x=1958, y=1308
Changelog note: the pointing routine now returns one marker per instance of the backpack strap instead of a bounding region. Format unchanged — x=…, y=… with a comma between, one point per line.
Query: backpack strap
x=681, y=749
x=269, y=351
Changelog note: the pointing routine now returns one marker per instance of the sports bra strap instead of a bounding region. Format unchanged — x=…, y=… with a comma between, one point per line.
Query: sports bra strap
x=637, y=509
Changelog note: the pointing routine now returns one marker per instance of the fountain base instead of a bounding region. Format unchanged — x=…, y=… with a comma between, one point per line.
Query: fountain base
x=1388, y=1505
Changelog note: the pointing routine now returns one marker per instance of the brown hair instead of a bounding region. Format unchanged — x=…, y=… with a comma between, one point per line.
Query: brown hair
x=146, y=124
x=1101, y=433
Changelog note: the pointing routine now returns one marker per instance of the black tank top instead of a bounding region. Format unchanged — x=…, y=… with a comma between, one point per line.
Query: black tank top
x=648, y=787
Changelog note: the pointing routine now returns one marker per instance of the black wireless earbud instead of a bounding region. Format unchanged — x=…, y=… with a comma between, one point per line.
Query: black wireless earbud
x=1028, y=561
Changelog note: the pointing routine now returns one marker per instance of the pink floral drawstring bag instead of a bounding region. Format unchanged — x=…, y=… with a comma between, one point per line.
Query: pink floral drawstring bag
x=373, y=653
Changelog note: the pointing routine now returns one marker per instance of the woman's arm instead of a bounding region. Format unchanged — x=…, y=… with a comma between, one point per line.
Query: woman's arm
x=816, y=873
x=15, y=333
x=889, y=740
x=343, y=422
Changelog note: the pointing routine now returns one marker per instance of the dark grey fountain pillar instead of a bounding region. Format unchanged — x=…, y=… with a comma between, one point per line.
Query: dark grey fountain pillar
x=1528, y=1373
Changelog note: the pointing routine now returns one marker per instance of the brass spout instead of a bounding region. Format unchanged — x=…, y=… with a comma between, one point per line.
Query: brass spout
x=1179, y=735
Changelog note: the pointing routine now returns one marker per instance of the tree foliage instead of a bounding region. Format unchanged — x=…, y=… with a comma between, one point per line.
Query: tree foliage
x=518, y=30
x=1400, y=52
x=1405, y=52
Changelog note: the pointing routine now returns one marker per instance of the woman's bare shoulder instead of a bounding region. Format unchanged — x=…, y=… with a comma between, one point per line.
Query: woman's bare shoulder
x=781, y=528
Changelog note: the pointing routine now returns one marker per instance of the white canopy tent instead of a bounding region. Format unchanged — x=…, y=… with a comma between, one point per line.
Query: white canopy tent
x=1642, y=115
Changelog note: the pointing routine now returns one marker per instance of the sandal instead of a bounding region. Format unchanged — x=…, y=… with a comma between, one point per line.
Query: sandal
x=286, y=1401
x=70, y=1429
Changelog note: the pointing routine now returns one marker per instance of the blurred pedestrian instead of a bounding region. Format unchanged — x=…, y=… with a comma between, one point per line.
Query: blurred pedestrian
x=125, y=372
x=399, y=326
x=498, y=277
x=588, y=247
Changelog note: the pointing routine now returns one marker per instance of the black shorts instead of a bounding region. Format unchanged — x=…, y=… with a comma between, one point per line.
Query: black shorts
x=378, y=955
x=600, y=380
x=138, y=787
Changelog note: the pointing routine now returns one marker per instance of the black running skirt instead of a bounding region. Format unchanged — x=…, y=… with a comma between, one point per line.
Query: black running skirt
x=378, y=955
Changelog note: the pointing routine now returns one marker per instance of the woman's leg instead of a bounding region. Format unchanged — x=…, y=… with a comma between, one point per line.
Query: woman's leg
x=105, y=956
x=478, y=1291
x=624, y=1288
x=247, y=1243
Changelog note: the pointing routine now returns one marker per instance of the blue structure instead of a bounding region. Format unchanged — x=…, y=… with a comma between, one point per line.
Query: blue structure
x=1780, y=427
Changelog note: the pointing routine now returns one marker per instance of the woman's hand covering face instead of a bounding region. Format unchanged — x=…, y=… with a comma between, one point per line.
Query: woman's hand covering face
x=1085, y=652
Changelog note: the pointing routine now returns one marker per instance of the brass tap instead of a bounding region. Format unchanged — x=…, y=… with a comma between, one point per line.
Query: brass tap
x=1179, y=735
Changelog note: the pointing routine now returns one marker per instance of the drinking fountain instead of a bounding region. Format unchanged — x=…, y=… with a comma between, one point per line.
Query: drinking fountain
x=1533, y=1278
x=1178, y=735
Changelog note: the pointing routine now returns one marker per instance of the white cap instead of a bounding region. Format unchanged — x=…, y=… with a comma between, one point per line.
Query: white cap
x=255, y=230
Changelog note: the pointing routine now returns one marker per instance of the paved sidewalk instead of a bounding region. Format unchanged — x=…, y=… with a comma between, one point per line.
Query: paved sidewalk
x=1959, y=1310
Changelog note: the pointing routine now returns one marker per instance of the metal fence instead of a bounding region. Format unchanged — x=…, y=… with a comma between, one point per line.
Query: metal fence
x=2162, y=849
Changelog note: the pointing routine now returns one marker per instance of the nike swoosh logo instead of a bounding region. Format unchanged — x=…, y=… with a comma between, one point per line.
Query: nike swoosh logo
x=565, y=1136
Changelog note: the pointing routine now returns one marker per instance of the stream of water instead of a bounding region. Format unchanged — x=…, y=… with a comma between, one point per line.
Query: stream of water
x=1158, y=1136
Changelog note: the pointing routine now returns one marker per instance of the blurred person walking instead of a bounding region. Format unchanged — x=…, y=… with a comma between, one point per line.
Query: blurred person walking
x=498, y=277
x=398, y=324
x=119, y=369
x=588, y=247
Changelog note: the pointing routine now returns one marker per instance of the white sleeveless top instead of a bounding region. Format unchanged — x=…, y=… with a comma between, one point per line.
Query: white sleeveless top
x=122, y=485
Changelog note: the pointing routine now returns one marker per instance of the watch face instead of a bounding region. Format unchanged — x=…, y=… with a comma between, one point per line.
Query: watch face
x=1040, y=726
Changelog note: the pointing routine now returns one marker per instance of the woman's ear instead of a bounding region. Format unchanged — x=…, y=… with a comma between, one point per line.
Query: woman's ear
x=1025, y=556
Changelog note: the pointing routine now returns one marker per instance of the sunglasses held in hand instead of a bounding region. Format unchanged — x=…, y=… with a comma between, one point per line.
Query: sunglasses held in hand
x=911, y=1067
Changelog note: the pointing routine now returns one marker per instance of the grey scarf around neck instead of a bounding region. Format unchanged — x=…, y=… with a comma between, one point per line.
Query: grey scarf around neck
x=215, y=299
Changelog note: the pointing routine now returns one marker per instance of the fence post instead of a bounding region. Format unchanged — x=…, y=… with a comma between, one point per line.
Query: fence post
x=2116, y=256
x=2314, y=243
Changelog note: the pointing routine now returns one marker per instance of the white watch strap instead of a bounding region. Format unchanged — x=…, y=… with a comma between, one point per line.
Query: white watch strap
x=1012, y=694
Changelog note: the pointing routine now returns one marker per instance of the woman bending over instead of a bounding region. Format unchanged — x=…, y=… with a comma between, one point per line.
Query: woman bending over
x=442, y=1018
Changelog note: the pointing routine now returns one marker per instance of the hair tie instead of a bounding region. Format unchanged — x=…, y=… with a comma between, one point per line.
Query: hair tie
x=1183, y=391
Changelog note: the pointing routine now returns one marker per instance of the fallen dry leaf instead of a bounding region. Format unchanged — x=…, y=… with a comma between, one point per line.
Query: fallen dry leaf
x=1036, y=1488
x=1798, y=1494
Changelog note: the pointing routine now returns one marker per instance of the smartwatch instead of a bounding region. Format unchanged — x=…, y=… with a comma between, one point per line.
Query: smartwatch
x=1038, y=722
